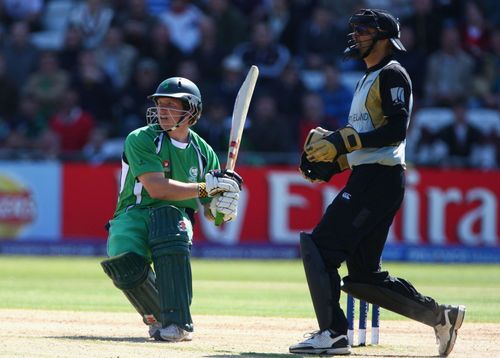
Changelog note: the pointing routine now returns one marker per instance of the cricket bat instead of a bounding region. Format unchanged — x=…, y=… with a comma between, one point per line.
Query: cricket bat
x=239, y=117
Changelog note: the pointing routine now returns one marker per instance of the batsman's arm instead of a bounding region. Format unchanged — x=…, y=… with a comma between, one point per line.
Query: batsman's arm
x=159, y=187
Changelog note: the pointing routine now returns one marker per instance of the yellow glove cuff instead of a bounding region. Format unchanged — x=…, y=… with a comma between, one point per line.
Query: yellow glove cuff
x=351, y=139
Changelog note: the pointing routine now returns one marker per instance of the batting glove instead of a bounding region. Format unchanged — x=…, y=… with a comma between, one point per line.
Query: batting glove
x=227, y=204
x=218, y=181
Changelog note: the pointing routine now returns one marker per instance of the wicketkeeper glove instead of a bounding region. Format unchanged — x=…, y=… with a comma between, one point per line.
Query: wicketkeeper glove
x=219, y=181
x=225, y=203
x=318, y=172
x=321, y=146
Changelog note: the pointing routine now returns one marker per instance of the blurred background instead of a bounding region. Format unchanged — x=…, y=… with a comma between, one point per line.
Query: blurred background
x=74, y=77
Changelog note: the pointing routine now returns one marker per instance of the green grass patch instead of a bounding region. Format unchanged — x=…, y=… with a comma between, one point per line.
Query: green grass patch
x=232, y=287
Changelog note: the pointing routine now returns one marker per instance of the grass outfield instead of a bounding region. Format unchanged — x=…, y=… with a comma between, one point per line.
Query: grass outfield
x=232, y=287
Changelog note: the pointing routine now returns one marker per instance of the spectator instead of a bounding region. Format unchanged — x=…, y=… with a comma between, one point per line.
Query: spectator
x=265, y=52
x=47, y=146
x=449, y=71
x=316, y=47
x=71, y=48
x=133, y=100
x=475, y=31
x=216, y=124
x=48, y=84
x=312, y=116
x=460, y=137
x=27, y=125
x=336, y=97
x=136, y=22
x=94, y=87
x=95, y=150
x=413, y=60
x=160, y=47
x=426, y=24
x=116, y=57
x=209, y=54
x=183, y=20
x=278, y=16
x=231, y=26
x=487, y=83
x=268, y=130
x=288, y=92
x=8, y=93
x=284, y=19
x=232, y=77
x=72, y=124
x=21, y=57
x=92, y=18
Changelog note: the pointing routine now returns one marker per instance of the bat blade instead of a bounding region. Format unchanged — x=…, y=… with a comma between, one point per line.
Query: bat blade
x=240, y=111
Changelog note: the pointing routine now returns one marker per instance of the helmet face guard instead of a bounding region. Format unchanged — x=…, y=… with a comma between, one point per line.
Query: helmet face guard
x=180, y=88
x=386, y=26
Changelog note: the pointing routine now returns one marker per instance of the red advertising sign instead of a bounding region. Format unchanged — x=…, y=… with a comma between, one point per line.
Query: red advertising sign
x=440, y=207
x=89, y=199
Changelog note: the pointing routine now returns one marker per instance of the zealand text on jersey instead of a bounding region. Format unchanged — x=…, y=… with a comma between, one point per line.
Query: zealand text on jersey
x=355, y=117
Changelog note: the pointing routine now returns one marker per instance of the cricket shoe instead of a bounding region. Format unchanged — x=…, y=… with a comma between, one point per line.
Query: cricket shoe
x=446, y=330
x=323, y=342
x=153, y=328
x=172, y=333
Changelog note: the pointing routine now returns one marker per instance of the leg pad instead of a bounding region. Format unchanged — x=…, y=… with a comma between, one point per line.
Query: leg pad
x=318, y=281
x=132, y=274
x=170, y=249
x=396, y=295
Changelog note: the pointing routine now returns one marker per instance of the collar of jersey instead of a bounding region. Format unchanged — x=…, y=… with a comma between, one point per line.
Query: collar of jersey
x=381, y=64
x=178, y=144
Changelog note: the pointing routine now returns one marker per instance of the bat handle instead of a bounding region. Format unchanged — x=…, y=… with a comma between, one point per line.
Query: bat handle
x=219, y=219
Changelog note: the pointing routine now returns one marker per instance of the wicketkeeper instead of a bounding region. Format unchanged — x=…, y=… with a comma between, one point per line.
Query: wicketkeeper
x=355, y=226
x=167, y=170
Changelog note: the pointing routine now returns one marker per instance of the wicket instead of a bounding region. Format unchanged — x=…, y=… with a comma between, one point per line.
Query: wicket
x=363, y=315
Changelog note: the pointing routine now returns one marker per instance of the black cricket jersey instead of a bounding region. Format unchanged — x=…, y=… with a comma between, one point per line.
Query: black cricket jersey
x=380, y=113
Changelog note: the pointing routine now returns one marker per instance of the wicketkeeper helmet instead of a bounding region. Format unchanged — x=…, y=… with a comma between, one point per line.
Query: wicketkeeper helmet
x=387, y=27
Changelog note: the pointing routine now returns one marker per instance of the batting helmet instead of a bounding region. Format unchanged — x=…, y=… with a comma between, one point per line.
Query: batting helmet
x=180, y=88
x=386, y=26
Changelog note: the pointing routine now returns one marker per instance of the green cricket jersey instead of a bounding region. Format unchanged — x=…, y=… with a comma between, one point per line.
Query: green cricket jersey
x=148, y=150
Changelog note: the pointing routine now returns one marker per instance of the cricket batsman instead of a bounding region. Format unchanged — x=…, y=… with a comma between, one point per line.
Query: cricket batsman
x=167, y=171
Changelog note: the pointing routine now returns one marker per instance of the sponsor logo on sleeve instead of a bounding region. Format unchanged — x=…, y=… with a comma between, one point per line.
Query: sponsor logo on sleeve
x=397, y=95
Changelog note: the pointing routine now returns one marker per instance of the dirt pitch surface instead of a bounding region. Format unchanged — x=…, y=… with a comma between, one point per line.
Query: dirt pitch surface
x=27, y=333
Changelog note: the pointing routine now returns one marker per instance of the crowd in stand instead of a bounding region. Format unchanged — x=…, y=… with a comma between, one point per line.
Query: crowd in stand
x=75, y=75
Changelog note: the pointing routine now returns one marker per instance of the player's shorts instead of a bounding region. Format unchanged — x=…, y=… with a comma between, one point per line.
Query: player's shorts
x=128, y=232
